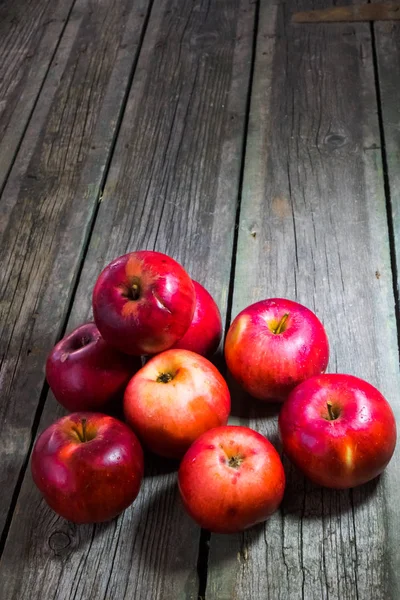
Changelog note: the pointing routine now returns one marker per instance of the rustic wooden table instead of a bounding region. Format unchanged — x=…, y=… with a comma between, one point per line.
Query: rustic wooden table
x=265, y=157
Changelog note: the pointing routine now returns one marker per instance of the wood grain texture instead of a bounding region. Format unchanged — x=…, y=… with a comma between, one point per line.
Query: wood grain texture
x=173, y=186
x=48, y=204
x=313, y=227
x=387, y=37
x=29, y=34
x=387, y=42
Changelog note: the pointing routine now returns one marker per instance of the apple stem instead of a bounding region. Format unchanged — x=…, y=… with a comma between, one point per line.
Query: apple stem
x=281, y=324
x=331, y=413
x=164, y=378
x=135, y=291
x=235, y=461
x=84, y=438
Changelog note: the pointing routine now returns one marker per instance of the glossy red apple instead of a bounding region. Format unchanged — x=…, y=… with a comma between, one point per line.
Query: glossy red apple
x=205, y=331
x=143, y=302
x=173, y=399
x=88, y=466
x=338, y=429
x=274, y=345
x=86, y=373
x=230, y=479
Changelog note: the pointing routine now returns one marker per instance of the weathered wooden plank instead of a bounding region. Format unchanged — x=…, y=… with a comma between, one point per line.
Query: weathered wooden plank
x=387, y=37
x=387, y=41
x=313, y=227
x=29, y=34
x=48, y=205
x=173, y=186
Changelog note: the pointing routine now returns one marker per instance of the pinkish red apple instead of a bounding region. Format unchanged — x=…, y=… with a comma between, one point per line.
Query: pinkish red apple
x=230, y=479
x=274, y=345
x=173, y=399
x=143, y=302
x=205, y=331
x=338, y=430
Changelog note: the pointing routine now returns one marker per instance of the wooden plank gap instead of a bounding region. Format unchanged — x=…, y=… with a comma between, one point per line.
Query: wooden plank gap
x=242, y=169
x=114, y=142
x=386, y=184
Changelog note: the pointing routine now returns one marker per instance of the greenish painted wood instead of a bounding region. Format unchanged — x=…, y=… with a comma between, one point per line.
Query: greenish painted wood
x=48, y=204
x=29, y=33
x=313, y=227
x=172, y=185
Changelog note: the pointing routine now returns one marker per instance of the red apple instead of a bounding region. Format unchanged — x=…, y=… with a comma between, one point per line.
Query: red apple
x=205, y=331
x=85, y=373
x=274, y=345
x=88, y=466
x=173, y=399
x=338, y=429
x=230, y=479
x=143, y=302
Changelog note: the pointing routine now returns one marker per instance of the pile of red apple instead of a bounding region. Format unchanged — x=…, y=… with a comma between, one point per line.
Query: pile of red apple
x=337, y=429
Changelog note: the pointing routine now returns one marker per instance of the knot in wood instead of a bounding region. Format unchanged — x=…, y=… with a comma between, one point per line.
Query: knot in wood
x=59, y=541
x=335, y=140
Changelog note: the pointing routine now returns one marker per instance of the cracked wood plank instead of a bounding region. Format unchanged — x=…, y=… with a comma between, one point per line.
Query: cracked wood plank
x=313, y=227
x=173, y=186
x=29, y=33
x=48, y=205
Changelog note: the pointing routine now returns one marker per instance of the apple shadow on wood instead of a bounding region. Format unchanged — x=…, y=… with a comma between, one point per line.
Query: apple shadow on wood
x=245, y=407
x=155, y=465
x=305, y=500
x=63, y=538
x=168, y=537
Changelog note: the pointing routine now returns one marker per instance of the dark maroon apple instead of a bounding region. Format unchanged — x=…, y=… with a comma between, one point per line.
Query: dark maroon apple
x=85, y=373
x=88, y=467
x=230, y=479
x=274, y=345
x=338, y=429
x=143, y=302
x=205, y=331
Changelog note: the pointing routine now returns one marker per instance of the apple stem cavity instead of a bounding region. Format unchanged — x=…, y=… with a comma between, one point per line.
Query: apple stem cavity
x=165, y=378
x=333, y=414
x=235, y=461
x=81, y=432
x=280, y=327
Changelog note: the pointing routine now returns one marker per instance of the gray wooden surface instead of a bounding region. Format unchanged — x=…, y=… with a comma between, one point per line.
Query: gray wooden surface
x=313, y=227
x=387, y=48
x=173, y=185
x=48, y=205
x=29, y=35
x=387, y=45
x=250, y=150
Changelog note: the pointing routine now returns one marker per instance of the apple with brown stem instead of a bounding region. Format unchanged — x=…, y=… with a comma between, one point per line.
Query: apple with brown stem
x=88, y=467
x=143, y=302
x=273, y=345
x=338, y=430
x=230, y=479
x=174, y=398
